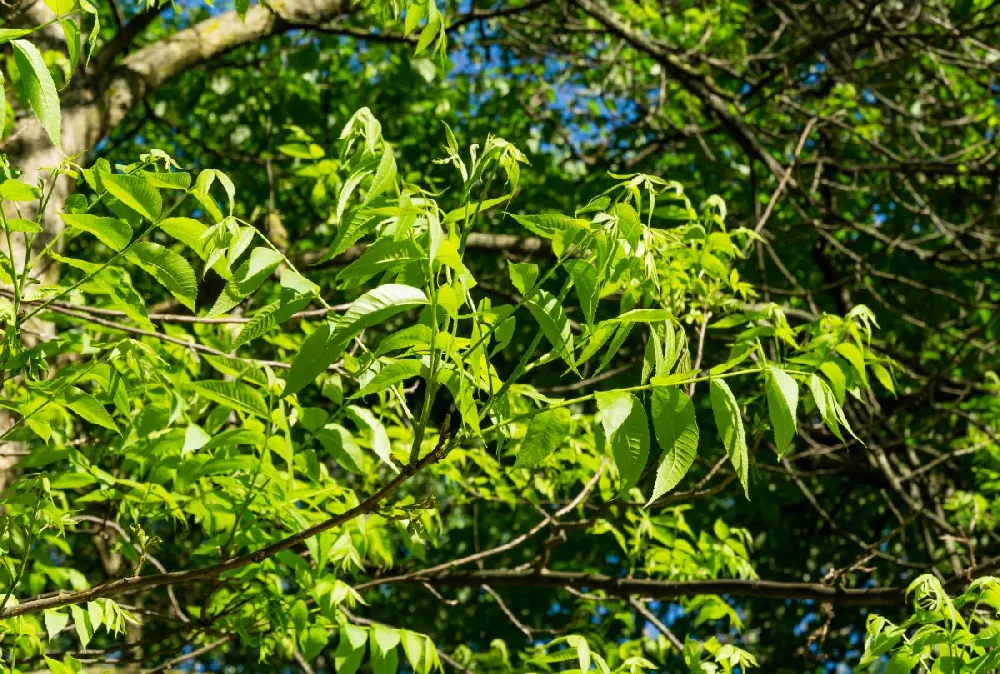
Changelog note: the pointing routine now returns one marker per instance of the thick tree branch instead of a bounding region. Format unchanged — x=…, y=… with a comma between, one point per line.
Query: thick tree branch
x=124, y=38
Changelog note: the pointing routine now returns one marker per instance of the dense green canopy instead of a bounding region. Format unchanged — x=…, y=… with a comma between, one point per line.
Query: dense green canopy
x=543, y=335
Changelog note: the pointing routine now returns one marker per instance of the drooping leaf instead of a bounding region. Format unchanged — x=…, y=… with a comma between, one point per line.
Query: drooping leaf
x=81, y=622
x=782, y=402
x=341, y=445
x=855, y=358
x=312, y=641
x=825, y=404
x=350, y=650
x=38, y=89
x=829, y=409
x=385, y=174
x=676, y=431
x=729, y=422
x=584, y=275
x=364, y=418
x=626, y=429
x=55, y=622
x=548, y=313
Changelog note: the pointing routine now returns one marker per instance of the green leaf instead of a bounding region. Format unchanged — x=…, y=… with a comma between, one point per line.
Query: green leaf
x=81, y=621
x=135, y=193
x=15, y=190
x=296, y=294
x=413, y=646
x=385, y=657
x=95, y=31
x=114, y=233
x=523, y=275
x=246, y=279
x=782, y=401
x=234, y=436
x=241, y=8
x=60, y=7
x=729, y=421
x=384, y=639
x=326, y=344
x=8, y=34
x=55, y=622
x=313, y=641
x=233, y=394
x=379, y=304
x=169, y=268
x=188, y=231
x=884, y=377
x=471, y=209
x=390, y=375
x=385, y=174
x=431, y=31
x=548, y=313
x=336, y=440
x=550, y=224
x=23, y=225
x=38, y=89
x=626, y=429
x=177, y=180
x=382, y=256
x=642, y=316
x=829, y=409
x=544, y=434
x=364, y=418
x=73, y=44
x=825, y=404
x=88, y=408
x=584, y=275
x=318, y=352
x=351, y=649
x=855, y=358
x=676, y=431
x=836, y=377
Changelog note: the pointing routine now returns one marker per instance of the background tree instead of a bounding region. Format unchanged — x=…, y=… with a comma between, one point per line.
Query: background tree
x=855, y=140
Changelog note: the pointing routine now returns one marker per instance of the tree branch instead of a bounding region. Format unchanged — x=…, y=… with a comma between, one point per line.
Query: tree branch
x=135, y=583
x=657, y=589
